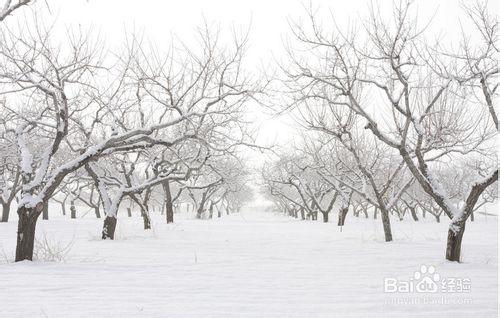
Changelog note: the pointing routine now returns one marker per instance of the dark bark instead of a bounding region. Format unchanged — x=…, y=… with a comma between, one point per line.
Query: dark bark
x=26, y=226
x=72, y=210
x=454, y=243
x=211, y=210
x=302, y=214
x=342, y=216
x=325, y=217
x=108, y=229
x=201, y=207
x=472, y=217
x=145, y=212
x=5, y=212
x=219, y=212
x=413, y=212
x=375, y=212
x=63, y=208
x=168, y=202
x=401, y=213
x=438, y=218
x=146, y=219
x=45, y=212
x=97, y=212
x=129, y=212
x=457, y=227
x=365, y=212
x=386, y=222
x=489, y=101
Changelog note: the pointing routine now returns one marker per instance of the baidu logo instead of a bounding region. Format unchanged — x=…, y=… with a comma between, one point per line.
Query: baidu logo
x=427, y=280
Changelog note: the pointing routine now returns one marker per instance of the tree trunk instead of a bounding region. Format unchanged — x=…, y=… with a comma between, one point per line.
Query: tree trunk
x=200, y=209
x=457, y=226
x=342, y=216
x=472, y=217
x=129, y=212
x=108, y=229
x=438, y=218
x=325, y=217
x=386, y=222
x=63, y=208
x=454, y=243
x=365, y=212
x=219, y=211
x=168, y=202
x=211, y=210
x=413, y=212
x=146, y=219
x=356, y=212
x=97, y=212
x=302, y=214
x=400, y=213
x=45, y=212
x=5, y=212
x=375, y=212
x=26, y=226
x=72, y=210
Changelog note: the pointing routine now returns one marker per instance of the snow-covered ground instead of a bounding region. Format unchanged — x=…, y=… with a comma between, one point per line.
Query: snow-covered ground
x=250, y=264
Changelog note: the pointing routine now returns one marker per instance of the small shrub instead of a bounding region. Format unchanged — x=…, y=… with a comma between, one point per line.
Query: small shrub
x=51, y=250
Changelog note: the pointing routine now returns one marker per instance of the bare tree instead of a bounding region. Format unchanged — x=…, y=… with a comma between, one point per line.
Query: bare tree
x=293, y=178
x=67, y=116
x=427, y=116
x=366, y=168
x=113, y=189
